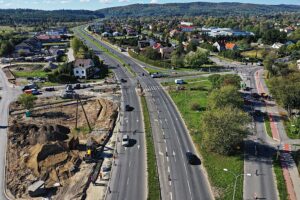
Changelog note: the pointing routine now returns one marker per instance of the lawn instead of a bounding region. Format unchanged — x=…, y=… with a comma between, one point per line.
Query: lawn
x=283, y=195
x=221, y=181
x=35, y=73
x=288, y=128
x=153, y=179
x=253, y=53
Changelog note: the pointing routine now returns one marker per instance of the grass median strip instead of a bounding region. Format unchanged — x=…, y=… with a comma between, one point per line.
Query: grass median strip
x=283, y=194
x=108, y=53
x=153, y=180
x=268, y=125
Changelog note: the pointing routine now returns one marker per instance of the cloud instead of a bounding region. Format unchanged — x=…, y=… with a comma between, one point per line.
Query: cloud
x=84, y=1
x=154, y=1
x=65, y=1
x=122, y=1
x=105, y=1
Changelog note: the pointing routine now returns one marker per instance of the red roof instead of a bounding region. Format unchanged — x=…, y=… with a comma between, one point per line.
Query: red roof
x=183, y=26
x=230, y=45
x=156, y=45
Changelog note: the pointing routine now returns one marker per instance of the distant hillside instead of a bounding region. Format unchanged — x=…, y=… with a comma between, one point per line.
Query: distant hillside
x=196, y=8
x=31, y=17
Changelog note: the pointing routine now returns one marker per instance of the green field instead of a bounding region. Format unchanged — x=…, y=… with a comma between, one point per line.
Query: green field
x=253, y=53
x=288, y=128
x=221, y=181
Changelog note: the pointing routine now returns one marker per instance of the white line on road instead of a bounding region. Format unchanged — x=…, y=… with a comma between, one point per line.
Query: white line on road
x=127, y=180
x=160, y=153
x=138, y=146
x=168, y=169
x=171, y=195
x=168, y=159
x=170, y=183
x=129, y=163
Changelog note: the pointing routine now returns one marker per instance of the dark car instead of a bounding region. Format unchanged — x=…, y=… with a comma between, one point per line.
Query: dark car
x=192, y=158
x=77, y=86
x=123, y=80
x=49, y=89
x=128, y=108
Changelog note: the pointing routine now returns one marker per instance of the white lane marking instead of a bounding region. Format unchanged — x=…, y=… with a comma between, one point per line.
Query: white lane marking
x=129, y=163
x=127, y=180
x=160, y=153
x=168, y=159
x=170, y=183
x=166, y=148
x=171, y=195
x=137, y=120
x=138, y=146
x=168, y=169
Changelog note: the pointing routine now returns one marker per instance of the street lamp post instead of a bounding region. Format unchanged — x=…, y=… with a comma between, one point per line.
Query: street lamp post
x=236, y=178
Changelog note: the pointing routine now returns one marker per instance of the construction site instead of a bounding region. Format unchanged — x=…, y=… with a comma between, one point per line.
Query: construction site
x=56, y=150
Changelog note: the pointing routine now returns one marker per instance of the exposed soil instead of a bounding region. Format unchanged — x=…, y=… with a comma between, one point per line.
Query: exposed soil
x=47, y=147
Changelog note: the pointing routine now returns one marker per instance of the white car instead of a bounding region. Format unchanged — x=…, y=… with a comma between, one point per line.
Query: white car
x=125, y=140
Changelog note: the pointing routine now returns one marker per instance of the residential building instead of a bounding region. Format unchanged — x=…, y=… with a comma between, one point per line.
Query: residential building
x=220, y=46
x=157, y=46
x=116, y=33
x=166, y=52
x=84, y=68
x=106, y=34
x=230, y=46
x=143, y=43
x=174, y=32
x=29, y=46
x=44, y=38
x=186, y=23
x=187, y=29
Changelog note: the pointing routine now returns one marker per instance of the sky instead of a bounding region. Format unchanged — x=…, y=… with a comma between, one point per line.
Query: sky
x=98, y=4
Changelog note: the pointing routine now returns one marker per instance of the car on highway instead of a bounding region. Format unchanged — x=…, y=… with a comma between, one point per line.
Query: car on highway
x=128, y=108
x=123, y=80
x=192, y=158
x=125, y=140
x=77, y=86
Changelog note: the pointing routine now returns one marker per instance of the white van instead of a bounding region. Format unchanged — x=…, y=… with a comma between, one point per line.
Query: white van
x=179, y=81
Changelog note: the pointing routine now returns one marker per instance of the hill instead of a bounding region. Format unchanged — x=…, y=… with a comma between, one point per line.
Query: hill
x=196, y=8
x=34, y=17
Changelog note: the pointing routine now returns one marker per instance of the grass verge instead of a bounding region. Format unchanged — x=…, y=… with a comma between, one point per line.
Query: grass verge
x=112, y=55
x=26, y=74
x=289, y=130
x=153, y=180
x=268, y=125
x=222, y=182
x=281, y=187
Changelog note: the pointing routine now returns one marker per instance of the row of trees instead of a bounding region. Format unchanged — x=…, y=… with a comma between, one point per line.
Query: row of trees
x=224, y=123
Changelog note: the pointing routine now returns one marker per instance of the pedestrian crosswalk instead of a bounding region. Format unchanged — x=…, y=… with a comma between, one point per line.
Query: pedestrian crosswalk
x=151, y=88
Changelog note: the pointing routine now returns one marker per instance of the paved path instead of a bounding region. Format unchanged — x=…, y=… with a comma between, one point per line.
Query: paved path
x=290, y=171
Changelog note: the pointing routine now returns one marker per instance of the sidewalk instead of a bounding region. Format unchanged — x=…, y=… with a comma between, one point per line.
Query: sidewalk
x=290, y=171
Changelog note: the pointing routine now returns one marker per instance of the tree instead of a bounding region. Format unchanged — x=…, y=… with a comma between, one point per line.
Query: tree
x=271, y=36
x=177, y=61
x=219, y=81
x=152, y=53
x=268, y=64
x=225, y=96
x=27, y=101
x=192, y=46
x=223, y=129
x=196, y=59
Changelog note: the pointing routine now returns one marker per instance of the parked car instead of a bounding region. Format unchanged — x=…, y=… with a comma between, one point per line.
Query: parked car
x=77, y=86
x=125, y=140
x=192, y=158
x=29, y=87
x=49, y=89
x=35, y=92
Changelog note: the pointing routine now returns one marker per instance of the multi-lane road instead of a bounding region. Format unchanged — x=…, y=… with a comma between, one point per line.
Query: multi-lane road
x=128, y=179
x=178, y=179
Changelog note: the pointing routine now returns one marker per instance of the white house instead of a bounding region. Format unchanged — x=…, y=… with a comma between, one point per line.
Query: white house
x=298, y=64
x=84, y=68
x=277, y=45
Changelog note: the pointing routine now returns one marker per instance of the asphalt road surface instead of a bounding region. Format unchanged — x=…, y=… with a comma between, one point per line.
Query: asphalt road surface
x=8, y=94
x=178, y=179
x=129, y=178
